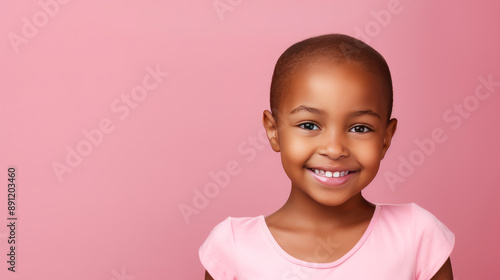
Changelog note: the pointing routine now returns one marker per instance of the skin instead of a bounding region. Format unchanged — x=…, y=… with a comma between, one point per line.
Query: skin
x=344, y=126
x=348, y=131
x=208, y=276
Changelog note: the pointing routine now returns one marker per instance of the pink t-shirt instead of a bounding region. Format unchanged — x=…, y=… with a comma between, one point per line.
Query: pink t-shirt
x=401, y=242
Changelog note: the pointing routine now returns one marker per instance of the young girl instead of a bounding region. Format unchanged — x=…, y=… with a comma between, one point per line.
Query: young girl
x=330, y=119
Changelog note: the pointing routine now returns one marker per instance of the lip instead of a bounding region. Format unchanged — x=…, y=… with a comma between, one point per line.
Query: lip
x=327, y=168
x=331, y=181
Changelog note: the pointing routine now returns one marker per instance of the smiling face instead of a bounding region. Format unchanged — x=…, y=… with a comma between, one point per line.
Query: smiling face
x=332, y=131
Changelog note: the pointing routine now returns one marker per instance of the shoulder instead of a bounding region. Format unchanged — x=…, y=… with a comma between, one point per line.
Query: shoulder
x=418, y=217
x=414, y=216
x=218, y=252
x=431, y=241
x=408, y=212
x=411, y=217
x=396, y=214
x=428, y=229
x=226, y=230
x=236, y=224
x=398, y=209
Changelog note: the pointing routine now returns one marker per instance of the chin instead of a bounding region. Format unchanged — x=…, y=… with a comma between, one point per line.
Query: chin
x=331, y=202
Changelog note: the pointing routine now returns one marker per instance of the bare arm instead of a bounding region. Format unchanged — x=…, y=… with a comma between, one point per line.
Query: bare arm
x=445, y=272
x=207, y=276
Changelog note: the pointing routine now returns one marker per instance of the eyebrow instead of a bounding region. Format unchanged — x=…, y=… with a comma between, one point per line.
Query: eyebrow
x=365, y=112
x=309, y=109
x=321, y=112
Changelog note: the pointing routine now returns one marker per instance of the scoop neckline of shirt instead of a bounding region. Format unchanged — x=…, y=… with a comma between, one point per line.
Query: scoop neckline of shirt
x=337, y=262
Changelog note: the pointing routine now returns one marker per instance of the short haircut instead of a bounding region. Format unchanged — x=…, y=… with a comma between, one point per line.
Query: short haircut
x=336, y=48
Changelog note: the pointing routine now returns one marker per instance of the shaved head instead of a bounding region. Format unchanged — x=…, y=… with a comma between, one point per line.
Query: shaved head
x=331, y=48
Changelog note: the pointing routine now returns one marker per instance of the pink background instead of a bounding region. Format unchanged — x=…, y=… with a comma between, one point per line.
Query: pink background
x=116, y=214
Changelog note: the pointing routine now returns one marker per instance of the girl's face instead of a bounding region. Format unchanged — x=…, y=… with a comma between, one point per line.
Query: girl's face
x=332, y=131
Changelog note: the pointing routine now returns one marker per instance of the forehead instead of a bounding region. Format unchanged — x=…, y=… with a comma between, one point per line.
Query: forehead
x=336, y=88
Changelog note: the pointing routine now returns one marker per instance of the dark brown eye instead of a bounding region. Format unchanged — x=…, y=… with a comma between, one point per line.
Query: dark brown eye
x=360, y=129
x=308, y=126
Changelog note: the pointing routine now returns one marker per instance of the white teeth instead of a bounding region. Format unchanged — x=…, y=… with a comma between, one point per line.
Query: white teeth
x=330, y=174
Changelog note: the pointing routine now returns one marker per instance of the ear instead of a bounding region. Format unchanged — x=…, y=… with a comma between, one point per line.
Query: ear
x=389, y=133
x=271, y=129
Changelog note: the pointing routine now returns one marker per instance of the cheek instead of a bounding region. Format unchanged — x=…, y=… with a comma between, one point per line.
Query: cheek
x=369, y=154
x=294, y=151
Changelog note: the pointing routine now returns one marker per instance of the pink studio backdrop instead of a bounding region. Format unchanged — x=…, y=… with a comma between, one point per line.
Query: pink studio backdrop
x=108, y=147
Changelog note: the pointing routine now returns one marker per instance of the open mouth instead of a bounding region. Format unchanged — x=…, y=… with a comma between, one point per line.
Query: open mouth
x=331, y=178
x=330, y=174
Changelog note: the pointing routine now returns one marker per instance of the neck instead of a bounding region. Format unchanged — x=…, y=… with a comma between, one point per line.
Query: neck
x=302, y=207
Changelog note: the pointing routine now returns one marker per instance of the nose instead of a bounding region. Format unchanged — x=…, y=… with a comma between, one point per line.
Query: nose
x=333, y=145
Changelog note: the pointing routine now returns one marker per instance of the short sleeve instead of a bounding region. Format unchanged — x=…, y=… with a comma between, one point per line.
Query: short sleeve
x=433, y=243
x=217, y=253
